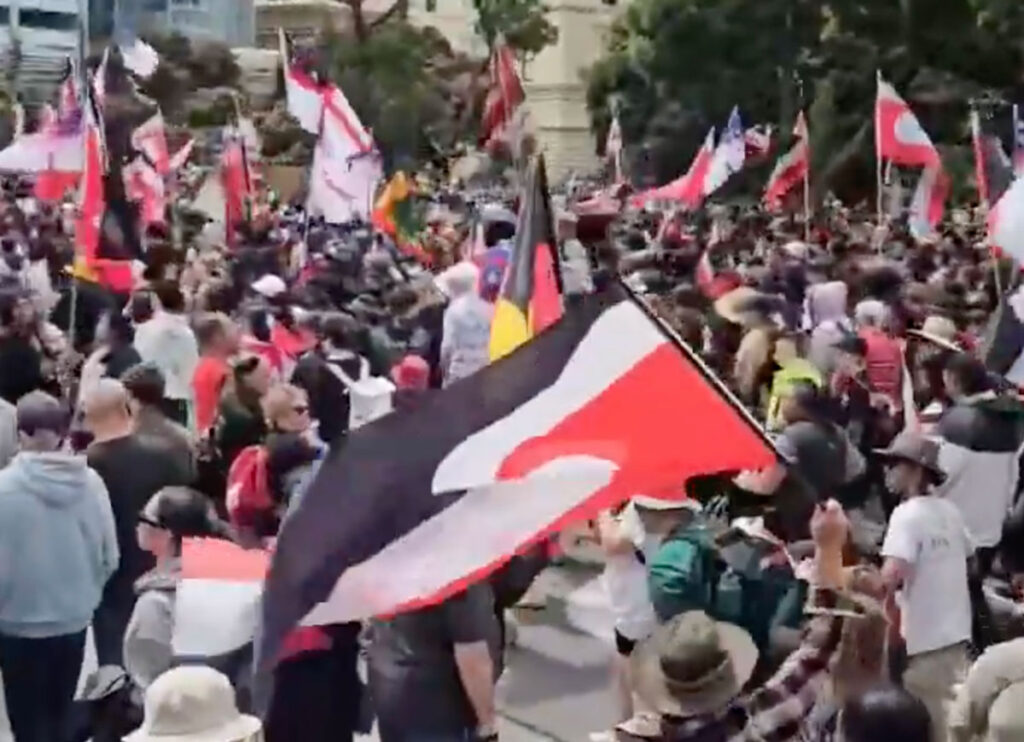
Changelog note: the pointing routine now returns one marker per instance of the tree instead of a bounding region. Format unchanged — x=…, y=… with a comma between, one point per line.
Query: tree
x=676, y=67
x=186, y=68
x=523, y=24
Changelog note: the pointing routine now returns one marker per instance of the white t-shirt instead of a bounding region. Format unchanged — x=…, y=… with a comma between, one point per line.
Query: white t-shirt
x=929, y=534
x=625, y=580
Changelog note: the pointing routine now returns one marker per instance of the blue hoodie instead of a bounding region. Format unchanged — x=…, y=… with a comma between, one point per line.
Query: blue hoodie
x=58, y=545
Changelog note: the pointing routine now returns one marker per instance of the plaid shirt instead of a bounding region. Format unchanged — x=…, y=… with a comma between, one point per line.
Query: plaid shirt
x=775, y=711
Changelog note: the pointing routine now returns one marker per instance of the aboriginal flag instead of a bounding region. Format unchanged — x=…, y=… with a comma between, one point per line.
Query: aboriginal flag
x=422, y=503
x=530, y=298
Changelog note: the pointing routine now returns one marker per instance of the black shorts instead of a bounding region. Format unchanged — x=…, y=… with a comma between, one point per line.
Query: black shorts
x=623, y=645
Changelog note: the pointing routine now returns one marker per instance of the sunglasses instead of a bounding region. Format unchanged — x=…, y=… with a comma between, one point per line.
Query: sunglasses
x=146, y=520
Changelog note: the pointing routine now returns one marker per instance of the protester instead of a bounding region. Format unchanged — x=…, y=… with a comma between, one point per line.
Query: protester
x=145, y=386
x=133, y=471
x=217, y=340
x=194, y=704
x=167, y=517
x=29, y=349
x=321, y=373
x=926, y=550
x=292, y=445
x=115, y=355
x=980, y=437
x=59, y=545
x=692, y=670
x=240, y=421
x=466, y=337
x=167, y=341
x=886, y=712
x=432, y=671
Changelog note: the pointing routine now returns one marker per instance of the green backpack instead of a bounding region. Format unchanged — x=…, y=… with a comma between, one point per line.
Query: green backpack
x=687, y=574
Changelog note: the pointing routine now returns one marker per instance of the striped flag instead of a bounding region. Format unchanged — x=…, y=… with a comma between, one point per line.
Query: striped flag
x=504, y=106
x=571, y=423
x=792, y=168
x=530, y=298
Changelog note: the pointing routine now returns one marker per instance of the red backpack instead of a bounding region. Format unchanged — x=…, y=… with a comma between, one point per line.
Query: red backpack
x=249, y=501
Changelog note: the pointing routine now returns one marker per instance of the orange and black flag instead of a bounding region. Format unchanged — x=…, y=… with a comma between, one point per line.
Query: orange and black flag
x=531, y=297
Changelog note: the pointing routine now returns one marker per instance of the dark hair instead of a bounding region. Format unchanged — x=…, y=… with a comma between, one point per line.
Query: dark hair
x=170, y=296
x=39, y=411
x=244, y=366
x=146, y=383
x=141, y=307
x=121, y=330
x=884, y=713
x=259, y=323
x=186, y=513
x=969, y=373
x=341, y=330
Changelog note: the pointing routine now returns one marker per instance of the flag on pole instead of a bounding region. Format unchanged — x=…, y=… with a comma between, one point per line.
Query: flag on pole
x=792, y=168
x=1018, y=142
x=687, y=189
x=928, y=203
x=899, y=136
x=993, y=169
x=304, y=95
x=504, y=107
x=144, y=185
x=1006, y=222
x=150, y=138
x=758, y=141
x=729, y=155
x=571, y=423
x=530, y=300
x=180, y=157
x=237, y=185
x=613, y=145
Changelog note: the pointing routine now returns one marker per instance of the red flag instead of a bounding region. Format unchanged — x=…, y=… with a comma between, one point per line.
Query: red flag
x=504, y=96
x=237, y=186
x=144, y=185
x=899, y=137
x=792, y=168
x=688, y=189
x=151, y=140
x=91, y=203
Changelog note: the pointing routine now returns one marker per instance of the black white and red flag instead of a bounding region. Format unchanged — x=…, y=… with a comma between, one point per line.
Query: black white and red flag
x=993, y=167
x=601, y=406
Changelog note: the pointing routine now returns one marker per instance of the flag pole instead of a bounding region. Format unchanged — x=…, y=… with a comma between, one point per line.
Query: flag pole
x=1016, y=136
x=807, y=203
x=878, y=159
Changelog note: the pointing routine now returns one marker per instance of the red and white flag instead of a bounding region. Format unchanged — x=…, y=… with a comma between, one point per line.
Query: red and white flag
x=929, y=202
x=688, y=189
x=237, y=184
x=504, y=106
x=792, y=168
x=899, y=136
x=91, y=202
x=179, y=158
x=304, y=95
x=150, y=139
x=1006, y=222
x=145, y=186
x=758, y=141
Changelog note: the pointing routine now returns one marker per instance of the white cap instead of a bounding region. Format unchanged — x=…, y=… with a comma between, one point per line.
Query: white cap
x=270, y=286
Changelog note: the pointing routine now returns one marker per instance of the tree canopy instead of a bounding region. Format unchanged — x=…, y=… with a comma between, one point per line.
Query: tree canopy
x=676, y=67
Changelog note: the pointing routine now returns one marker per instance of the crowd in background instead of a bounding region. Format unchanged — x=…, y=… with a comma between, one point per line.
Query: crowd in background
x=864, y=588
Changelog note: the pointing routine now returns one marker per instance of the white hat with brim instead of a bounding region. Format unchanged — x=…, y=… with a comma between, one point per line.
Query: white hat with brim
x=693, y=638
x=733, y=306
x=936, y=340
x=240, y=729
x=193, y=703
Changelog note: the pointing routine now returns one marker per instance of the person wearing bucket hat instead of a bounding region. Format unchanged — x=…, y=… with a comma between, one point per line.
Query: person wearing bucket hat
x=926, y=550
x=194, y=704
x=693, y=669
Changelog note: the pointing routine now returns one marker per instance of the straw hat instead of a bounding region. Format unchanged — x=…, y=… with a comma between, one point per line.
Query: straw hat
x=693, y=665
x=735, y=304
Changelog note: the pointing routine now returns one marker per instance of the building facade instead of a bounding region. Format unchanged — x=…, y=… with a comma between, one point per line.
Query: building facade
x=37, y=37
x=231, y=22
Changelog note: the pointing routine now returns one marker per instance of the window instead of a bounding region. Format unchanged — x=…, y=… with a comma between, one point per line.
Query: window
x=48, y=20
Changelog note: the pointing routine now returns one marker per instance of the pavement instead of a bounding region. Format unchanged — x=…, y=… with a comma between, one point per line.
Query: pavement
x=557, y=683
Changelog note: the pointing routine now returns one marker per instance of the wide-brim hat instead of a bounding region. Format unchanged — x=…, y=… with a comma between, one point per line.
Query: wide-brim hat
x=693, y=665
x=738, y=302
x=241, y=729
x=915, y=448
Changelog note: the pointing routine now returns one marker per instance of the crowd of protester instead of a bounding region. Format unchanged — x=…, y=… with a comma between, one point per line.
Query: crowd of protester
x=865, y=588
